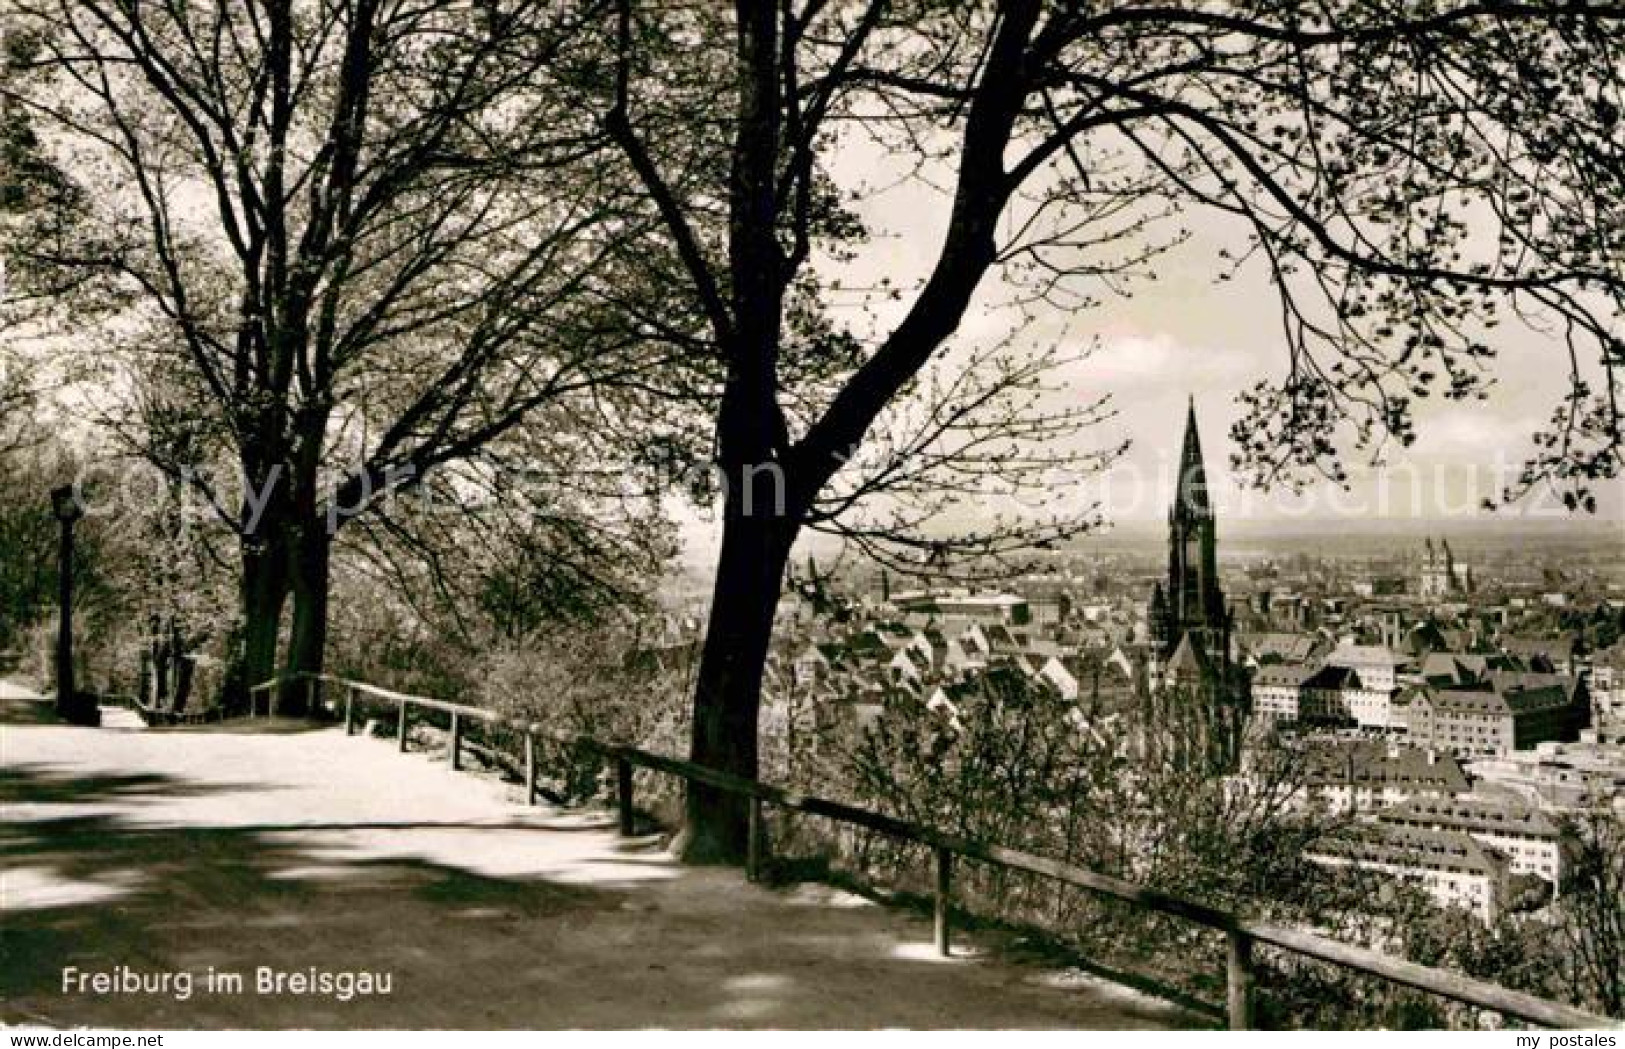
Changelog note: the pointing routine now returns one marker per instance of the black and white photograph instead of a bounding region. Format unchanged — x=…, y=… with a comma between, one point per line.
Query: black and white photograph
x=812, y=515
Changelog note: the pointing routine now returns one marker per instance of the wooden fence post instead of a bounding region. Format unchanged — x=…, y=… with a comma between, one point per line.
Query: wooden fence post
x=623, y=793
x=1239, y=981
x=456, y=742
x=753, y=844
x=945, y=861
x=530, y=767
x=401, y=732
x=349, y=711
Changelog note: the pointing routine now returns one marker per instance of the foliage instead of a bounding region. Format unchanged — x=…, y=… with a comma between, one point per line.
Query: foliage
x=1012, y=764
x=1591, y=925
x=1358, y=146
x=343, y=248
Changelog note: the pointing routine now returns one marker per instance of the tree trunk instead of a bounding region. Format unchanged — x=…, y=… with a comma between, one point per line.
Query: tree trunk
x=264, y=592
x=758, y=528
x=183, y=683
x=309, y=571
x=162, y=654
x=728, y=691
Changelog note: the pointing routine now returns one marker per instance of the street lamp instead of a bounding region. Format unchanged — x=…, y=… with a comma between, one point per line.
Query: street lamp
x=70, y=705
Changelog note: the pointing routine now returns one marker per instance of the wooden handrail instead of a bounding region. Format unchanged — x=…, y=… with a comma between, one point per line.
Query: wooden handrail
x=152, y=715
x=1242, y=932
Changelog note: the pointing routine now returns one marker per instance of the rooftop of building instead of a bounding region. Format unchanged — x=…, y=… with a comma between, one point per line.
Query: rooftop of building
x=1188, y=659
x=1462, y=667
x=1364, y=656
x=1499, y=693
x=1287, y=674
x=1281, y=645
x=1556, y=646
x=1373, y=763
x=1417, y=847
x=1474, y=814
x=1332, y=676
x=943, y=601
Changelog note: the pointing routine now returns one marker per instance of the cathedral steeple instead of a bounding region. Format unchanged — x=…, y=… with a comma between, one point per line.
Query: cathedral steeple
x=1191, y=497
x=1197, y=696
x=1194, y=601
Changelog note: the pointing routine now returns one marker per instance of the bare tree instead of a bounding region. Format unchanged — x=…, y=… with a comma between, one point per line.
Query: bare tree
x=18, y=398
x=1592, y=915
x=1404, y=171
x=374, y=234
x=32, y=193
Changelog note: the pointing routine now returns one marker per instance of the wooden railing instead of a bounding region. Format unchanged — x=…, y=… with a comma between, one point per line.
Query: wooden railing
x=1243, y=934
x=158, y=716
x=269, y=693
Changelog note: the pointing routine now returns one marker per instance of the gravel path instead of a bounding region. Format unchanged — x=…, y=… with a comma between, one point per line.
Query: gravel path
x=139, y=853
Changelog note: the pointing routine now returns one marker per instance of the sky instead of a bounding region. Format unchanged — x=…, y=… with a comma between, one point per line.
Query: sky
x=1187, y=338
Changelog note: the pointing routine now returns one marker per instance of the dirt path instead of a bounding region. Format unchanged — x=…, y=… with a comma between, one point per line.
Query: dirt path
x=183, y=853
x=20, y=705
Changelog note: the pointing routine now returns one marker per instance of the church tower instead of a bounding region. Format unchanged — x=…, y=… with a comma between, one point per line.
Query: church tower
x=1440, y=576
x=1194, y=604
x=1198, y=697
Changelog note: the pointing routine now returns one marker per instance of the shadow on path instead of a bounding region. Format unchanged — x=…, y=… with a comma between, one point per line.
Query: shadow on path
x=481, y=915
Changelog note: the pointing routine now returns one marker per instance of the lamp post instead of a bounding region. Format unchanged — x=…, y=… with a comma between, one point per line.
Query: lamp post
x=69, y=704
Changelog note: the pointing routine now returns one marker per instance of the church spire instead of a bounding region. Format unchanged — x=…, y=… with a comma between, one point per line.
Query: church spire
x=1193, y=597
x=1193, y=642
x=1191, y=496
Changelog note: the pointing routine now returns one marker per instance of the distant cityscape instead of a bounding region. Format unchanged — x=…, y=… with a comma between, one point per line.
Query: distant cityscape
x=1451, y=699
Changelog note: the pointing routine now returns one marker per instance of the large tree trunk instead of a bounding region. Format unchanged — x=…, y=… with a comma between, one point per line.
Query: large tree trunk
x=728, y=692
x=309, y=571
x=758, y=527
x=310, y=544
x=264, y=592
